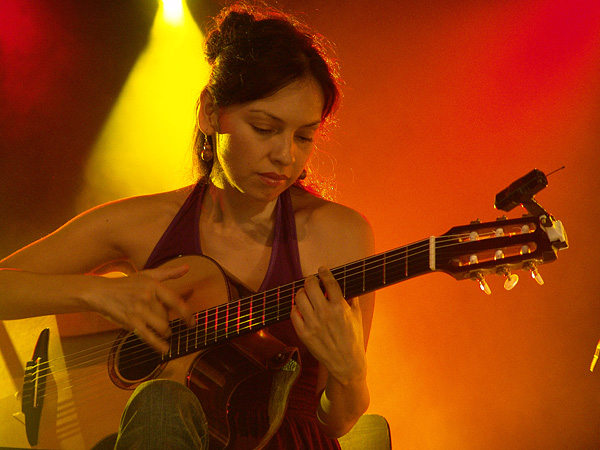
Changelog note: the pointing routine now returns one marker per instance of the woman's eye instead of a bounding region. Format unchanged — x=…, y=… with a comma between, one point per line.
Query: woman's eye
x=261, y=130
x=305, y=138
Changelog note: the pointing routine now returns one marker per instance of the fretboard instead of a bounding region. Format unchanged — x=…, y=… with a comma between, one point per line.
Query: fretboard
x=257, y=311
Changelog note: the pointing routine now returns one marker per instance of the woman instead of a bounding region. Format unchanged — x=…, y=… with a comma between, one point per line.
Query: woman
x=271, y=92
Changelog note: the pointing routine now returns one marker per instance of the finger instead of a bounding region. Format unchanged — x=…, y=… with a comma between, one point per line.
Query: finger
x=313, y=290
x=332, y=287
x=309, y=297
x=297, y=320
x=150, y=337
x=173, y=301
x=301, y=302
x=167, y=296
x=355, y=305
x=168, y=273
x=157, y=318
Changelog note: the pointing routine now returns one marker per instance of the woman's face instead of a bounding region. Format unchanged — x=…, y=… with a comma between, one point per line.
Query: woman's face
x=262, y=146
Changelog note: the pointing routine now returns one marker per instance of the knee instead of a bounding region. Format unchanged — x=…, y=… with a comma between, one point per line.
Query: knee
x=166, y=398
x=167, y=411
x=164, y=391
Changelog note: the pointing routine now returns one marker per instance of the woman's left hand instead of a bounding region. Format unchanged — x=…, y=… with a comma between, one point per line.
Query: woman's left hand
x=331, y=327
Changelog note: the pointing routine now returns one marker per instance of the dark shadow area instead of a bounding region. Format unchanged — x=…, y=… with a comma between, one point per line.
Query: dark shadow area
x=63, y=65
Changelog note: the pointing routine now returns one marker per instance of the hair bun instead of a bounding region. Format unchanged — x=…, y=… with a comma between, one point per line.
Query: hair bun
x=229, y=30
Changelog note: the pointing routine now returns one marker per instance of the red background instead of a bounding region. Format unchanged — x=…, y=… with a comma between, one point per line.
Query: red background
x=446, y=103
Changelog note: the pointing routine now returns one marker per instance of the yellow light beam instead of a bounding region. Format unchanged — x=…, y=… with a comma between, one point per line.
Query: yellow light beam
x=145, y=145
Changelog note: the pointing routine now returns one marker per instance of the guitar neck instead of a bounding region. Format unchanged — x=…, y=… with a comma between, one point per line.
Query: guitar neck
x=384, y=269
x=260, y=310
x=465, y=252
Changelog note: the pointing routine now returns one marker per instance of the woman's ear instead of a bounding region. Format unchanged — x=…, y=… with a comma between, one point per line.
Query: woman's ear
x=208, y=113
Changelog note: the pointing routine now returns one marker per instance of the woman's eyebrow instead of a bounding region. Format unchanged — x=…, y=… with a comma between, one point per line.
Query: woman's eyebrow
x=279, y=120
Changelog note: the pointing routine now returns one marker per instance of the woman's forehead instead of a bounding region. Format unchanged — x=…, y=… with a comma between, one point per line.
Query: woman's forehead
x=301, y=100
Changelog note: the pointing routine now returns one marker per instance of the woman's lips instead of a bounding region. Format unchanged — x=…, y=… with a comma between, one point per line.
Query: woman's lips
x=273, y=179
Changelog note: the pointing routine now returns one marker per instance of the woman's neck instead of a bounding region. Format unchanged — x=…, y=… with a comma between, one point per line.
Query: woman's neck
x=228, y=208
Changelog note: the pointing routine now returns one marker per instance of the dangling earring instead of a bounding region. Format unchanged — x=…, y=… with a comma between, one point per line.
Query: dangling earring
x=302, y=175
x=207, y=152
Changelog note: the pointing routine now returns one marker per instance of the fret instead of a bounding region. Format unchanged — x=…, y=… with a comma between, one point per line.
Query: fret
x=264, y=306
x=206, y=328
x=196, y=328
x=239, y=314
x=185, y=338
x=273, y=306
x=293, y=295
x=405, y=262
x=244, y=315
x=211, y=324
x=177, y=329
x=278, y=308
x=278, y=303
x=286, y=299
x=257, y=311
x=363, y=276
x=221, y=322
x=216, y=327
x=227, y=320
x=250, y=314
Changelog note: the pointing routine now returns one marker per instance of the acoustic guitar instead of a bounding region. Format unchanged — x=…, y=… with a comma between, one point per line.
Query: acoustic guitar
x=71, y=394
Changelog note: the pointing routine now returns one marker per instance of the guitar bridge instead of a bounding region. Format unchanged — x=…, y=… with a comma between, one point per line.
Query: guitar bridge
x=34, y=387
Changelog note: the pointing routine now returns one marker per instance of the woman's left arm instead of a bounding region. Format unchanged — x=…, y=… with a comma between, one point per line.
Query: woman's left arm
x=336, y=331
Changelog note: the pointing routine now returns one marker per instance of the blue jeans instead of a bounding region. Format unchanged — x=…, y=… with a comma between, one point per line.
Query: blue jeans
x=160, y=415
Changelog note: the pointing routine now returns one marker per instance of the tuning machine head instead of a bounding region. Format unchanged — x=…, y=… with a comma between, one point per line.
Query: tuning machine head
x=510, y=279
x=534, y=273
x=482, y=283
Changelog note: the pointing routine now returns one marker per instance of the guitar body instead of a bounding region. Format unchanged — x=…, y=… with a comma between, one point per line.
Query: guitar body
x=90, y=383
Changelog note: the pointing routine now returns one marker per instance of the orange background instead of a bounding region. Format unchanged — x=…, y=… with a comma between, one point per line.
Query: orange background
x=446, y=103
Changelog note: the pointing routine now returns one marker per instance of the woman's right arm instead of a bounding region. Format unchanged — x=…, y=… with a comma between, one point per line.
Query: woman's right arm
x=53, y=275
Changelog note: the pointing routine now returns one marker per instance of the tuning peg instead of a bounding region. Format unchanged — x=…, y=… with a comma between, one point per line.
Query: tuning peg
x=482, y=283
x=535, y=274
x=511, y=279
x=537, y=277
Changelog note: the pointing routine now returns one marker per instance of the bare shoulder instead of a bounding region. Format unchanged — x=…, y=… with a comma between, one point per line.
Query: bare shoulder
x=122, y=230
x=329, y=233
x=134, y=225
x=137, y=211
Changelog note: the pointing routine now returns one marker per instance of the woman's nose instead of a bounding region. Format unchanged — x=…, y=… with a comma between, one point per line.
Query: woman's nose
x=285, y=152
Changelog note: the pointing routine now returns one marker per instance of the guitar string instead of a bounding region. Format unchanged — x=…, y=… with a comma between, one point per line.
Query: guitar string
x=51, y=365
x=246, y=320
x=292, y=285
x=86, y=353
x=359, y=269
x=104, y=357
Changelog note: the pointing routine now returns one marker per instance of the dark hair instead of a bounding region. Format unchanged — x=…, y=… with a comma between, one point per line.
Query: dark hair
x=254, y=52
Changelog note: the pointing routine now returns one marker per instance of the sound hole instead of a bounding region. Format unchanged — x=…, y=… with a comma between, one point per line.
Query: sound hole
x=133, y=361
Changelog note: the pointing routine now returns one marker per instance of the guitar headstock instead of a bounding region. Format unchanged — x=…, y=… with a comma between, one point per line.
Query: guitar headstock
x=500, y=247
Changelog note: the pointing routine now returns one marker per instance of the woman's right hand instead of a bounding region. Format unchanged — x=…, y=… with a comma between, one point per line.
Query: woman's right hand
x=141, y=302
